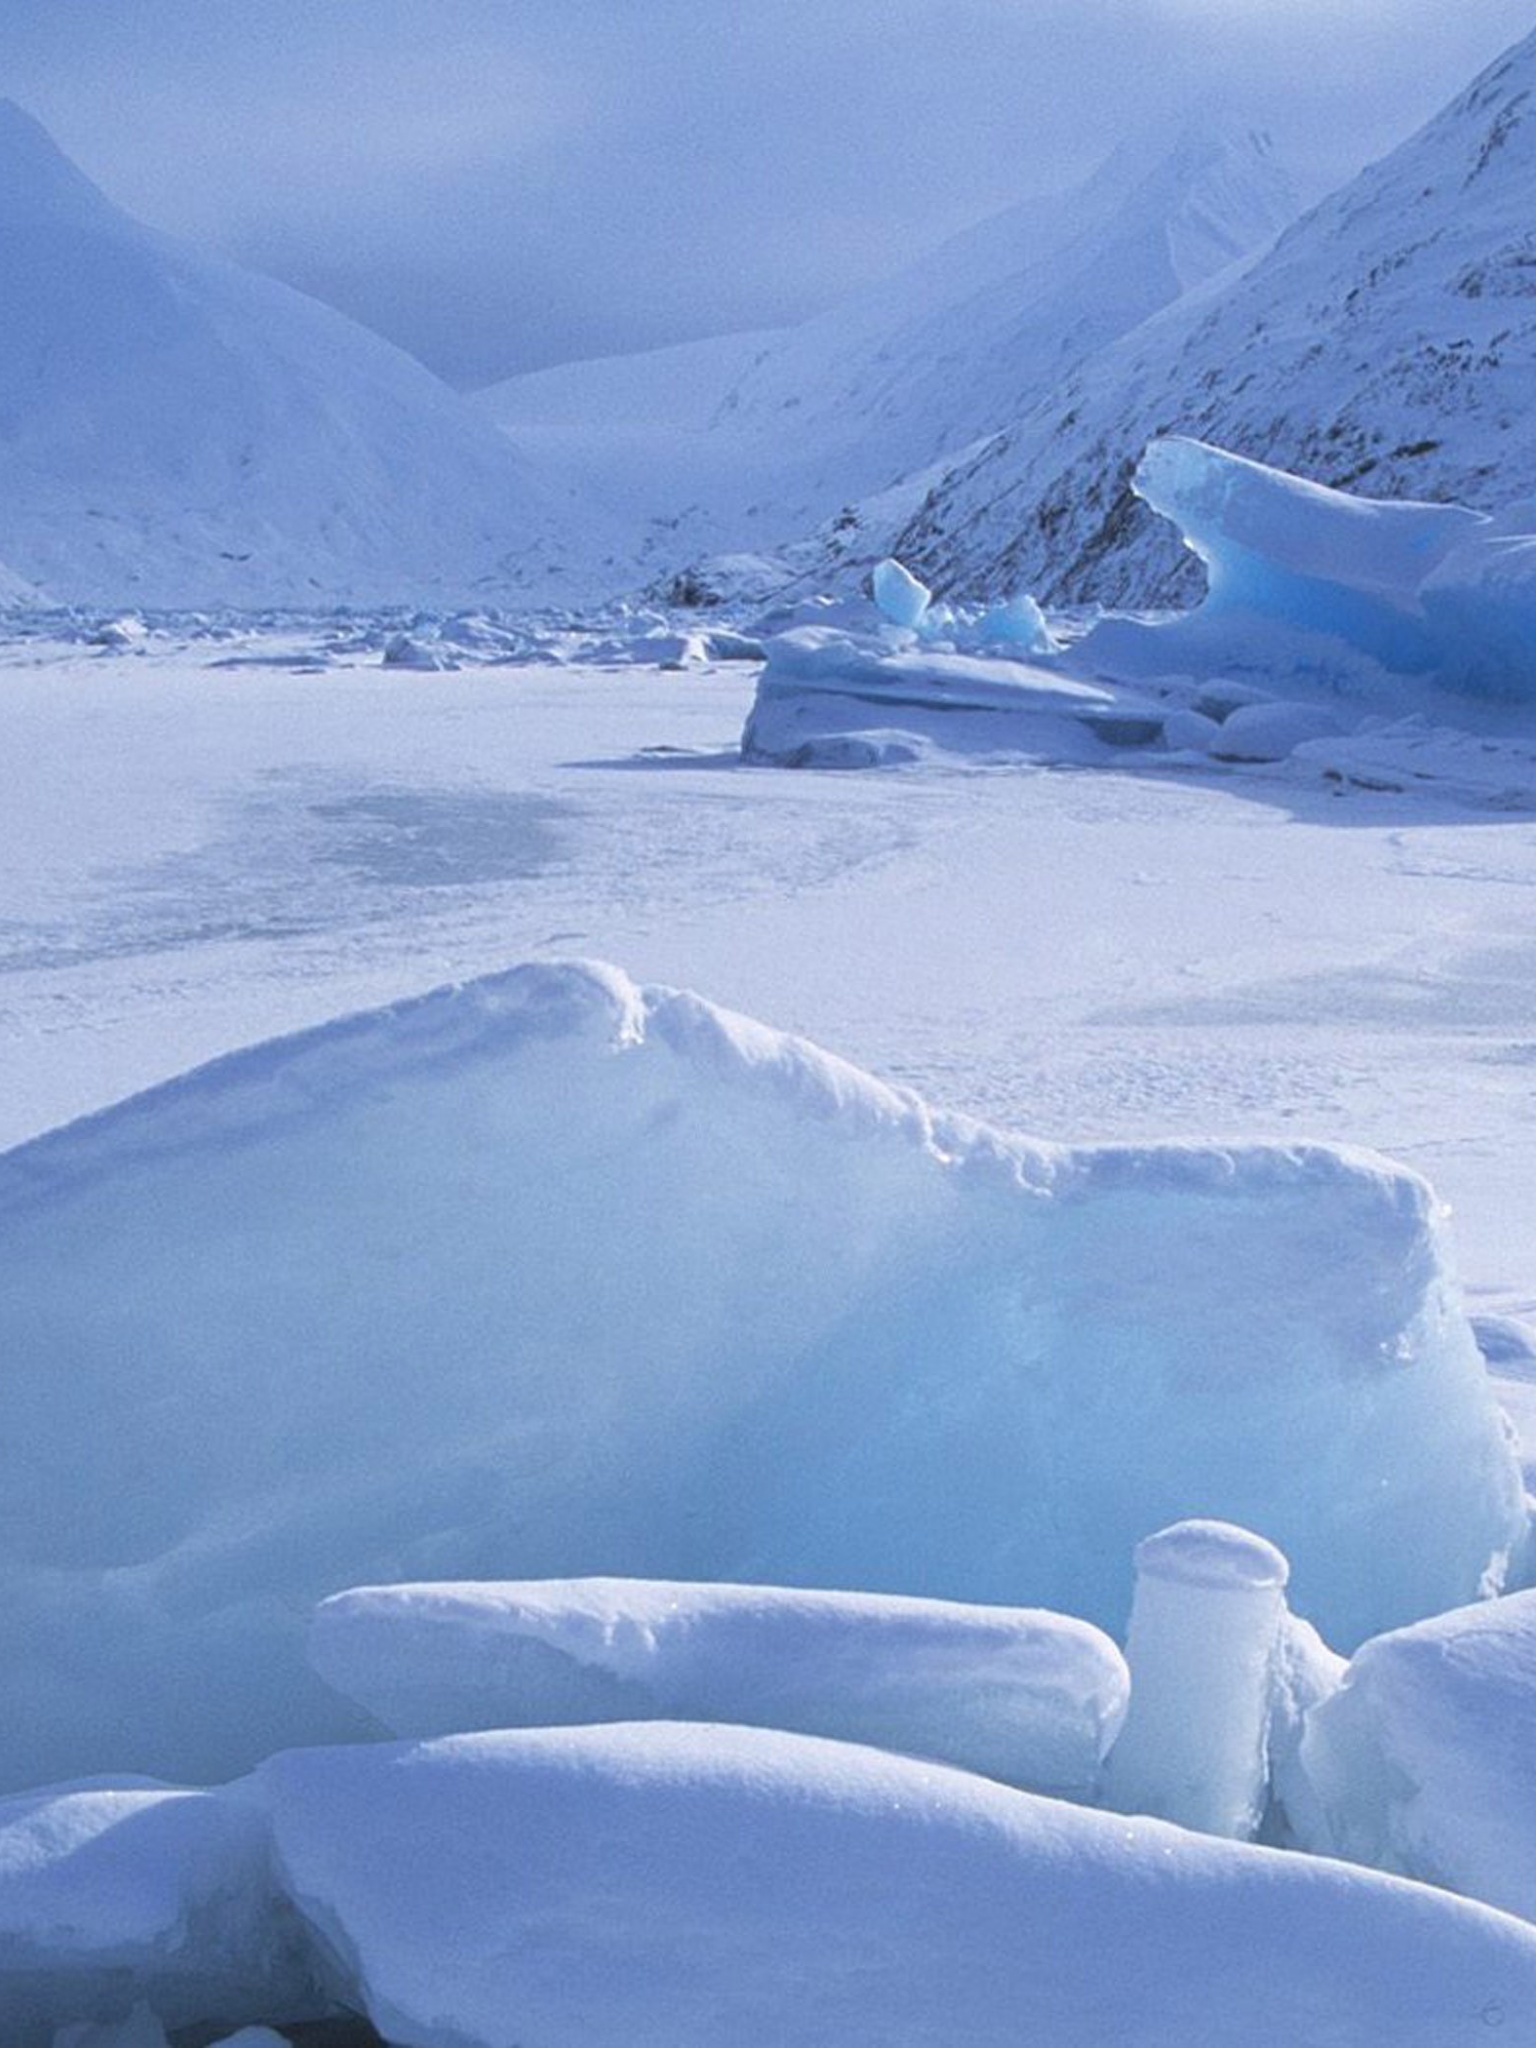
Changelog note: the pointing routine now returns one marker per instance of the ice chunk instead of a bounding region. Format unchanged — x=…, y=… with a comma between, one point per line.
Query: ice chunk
x=1424, y=1759
x=898, y=594
x=552, y=1275
x=628, y=1887
x=120, y=1895
x=1018, y=622
x=1205, y=1629
x=1034, y=1699
x=1354, y=597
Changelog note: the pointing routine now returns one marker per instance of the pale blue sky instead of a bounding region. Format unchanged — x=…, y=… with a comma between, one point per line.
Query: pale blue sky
x=499, y=183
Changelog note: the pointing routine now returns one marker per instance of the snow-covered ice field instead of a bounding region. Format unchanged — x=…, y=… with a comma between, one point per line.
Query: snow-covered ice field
x=205, y=842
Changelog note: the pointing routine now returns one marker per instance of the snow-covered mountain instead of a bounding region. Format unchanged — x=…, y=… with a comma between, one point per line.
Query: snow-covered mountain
x=176, y=431
x=1386, y=343
x=740, y=443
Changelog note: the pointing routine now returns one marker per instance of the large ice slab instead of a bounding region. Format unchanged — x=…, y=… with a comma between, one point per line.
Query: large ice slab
x=829, y=697
x=551, y=1275
x=1033, y=1699
x=672, y=1886
x=1384, y=602
x=1424, y=1759
x=121, y=1894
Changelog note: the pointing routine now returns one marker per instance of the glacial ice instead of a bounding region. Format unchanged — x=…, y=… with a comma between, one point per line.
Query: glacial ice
x=550, y=1275
x=664, y=1885
x=1386, y=603
x=1424, y=1759
x=1033, y=1699
x=898, y=595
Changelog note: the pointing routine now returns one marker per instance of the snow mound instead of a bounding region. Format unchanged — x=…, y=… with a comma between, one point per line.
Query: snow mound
x=671, y=1886
x=121, y=1893
x=551, y=1275
x=1424, y=1759
x=1033, y=1699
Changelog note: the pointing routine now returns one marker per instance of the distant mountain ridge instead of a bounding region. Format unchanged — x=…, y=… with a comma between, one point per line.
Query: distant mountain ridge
x=902, y=374
x=1386, y=343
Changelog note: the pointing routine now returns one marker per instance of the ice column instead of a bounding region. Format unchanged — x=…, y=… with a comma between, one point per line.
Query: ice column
x=1205, y=1623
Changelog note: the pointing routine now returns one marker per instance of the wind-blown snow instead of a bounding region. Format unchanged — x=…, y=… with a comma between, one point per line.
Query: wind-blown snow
x=673, y=1886
x=552, y=1275
x=1033, y=1699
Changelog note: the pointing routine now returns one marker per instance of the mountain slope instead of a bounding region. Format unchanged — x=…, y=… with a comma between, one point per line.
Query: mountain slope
x=1386, y=342
x=898, y=375
x=176, y=431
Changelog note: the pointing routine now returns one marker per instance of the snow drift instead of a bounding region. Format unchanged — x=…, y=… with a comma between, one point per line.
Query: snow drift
x=550, y=1275
x=670, y=1886
x=1033, y=1699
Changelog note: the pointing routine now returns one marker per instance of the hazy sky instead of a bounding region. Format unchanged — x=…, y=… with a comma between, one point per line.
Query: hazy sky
x=502, y=183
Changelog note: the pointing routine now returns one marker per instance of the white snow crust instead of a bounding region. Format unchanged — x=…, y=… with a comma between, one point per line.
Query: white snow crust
x=554, y=1275
x=1424, y=1758
x=1030, y=1698
x=674, y=1886
x=122, y=1893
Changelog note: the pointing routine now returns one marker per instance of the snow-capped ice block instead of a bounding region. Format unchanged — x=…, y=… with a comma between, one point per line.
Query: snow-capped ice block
x=1033, y=1699
x=119, y=1894
x=828, y=697
x=1424, y=1759
x=1359, y=598
x=675, y=1886
x=551, y=1275
x=1205, y=1633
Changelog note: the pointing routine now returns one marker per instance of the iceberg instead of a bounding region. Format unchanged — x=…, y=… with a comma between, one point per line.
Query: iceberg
x=1385, y=602
x=674, y=1886
x=1029, y=1698
x=551, y=1275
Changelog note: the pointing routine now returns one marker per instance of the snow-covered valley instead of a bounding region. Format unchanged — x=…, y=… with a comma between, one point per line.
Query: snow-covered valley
x=750, y=1297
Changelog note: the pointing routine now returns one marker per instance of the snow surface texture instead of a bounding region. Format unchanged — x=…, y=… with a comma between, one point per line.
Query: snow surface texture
x=177, y=431
x=672, y=1886
x=123, y=1892
x=1385, y=340
x=1424, y=1759
x=1033, y=1699
x=553, y=1275
x=1331, y=592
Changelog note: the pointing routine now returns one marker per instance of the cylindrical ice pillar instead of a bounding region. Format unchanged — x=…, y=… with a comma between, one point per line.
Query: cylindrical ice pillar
x=1209, y=1607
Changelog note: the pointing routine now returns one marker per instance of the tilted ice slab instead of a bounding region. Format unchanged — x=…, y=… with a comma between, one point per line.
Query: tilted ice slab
x=672, y=1886
x=1424, y=1760
x=1034, y=1699
x=1313, y=588
x=122, y=1893
x=551, y=1275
